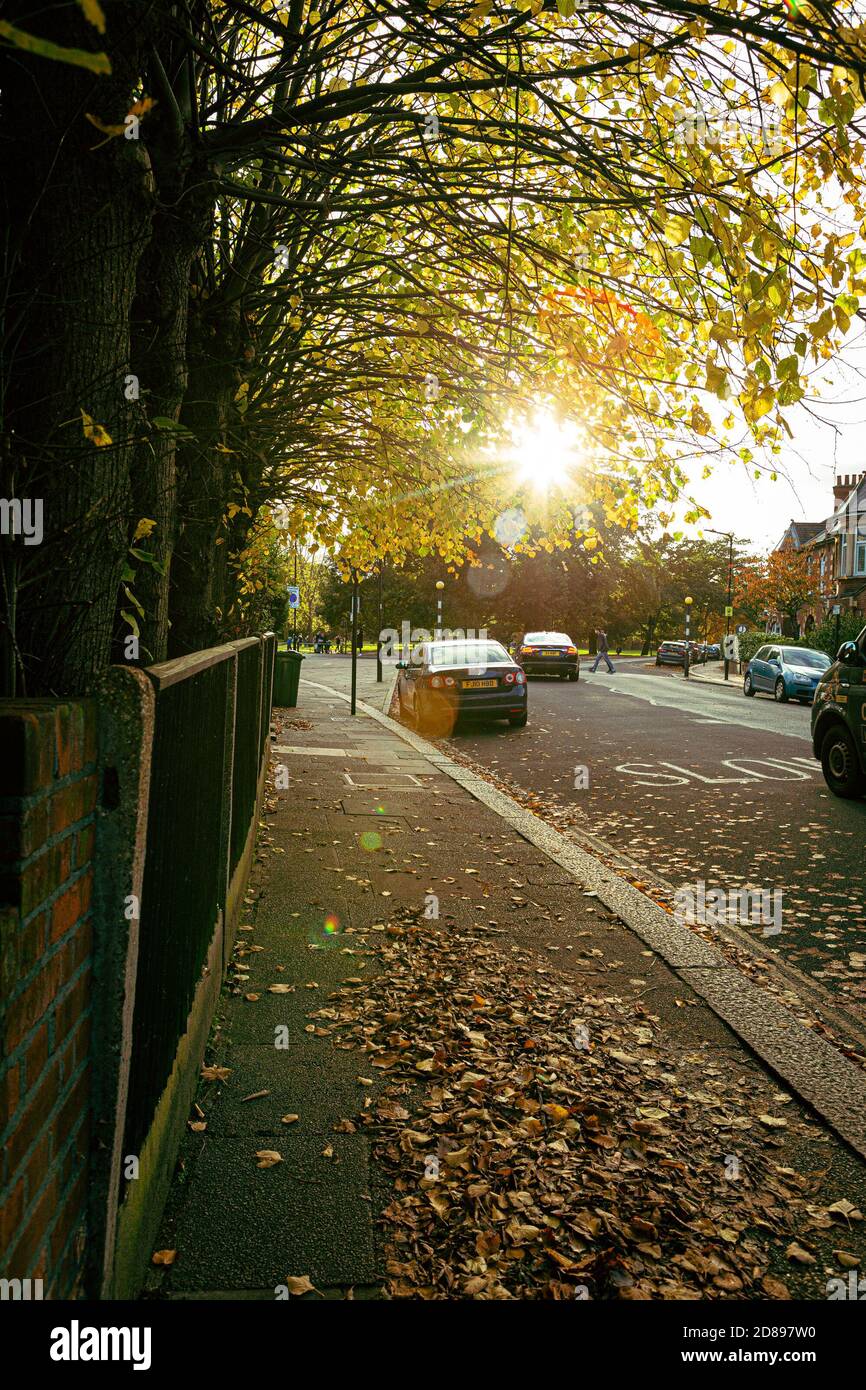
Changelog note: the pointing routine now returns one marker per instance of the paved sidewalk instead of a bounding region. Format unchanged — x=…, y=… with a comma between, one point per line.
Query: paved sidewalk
x=366, y=836
x=714, y=673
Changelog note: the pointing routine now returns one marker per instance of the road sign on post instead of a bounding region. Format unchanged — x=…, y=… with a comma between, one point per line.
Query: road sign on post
x=355, y=607
x=294, y=605
x=732, y=647
x=729, y=612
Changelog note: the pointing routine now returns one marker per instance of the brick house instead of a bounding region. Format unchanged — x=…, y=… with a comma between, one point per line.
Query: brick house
x=835, y=551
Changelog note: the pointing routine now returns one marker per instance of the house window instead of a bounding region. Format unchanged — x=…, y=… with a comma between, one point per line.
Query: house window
x=860, y=561
x=843, y=556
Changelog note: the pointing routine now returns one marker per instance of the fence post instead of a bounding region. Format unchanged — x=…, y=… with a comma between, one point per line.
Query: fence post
x=231, y=668
x=125, y=705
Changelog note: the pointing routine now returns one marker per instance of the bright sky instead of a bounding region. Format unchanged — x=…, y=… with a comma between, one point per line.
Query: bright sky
x=829, y=439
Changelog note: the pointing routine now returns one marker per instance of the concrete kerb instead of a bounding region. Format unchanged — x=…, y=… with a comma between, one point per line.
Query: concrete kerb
x=812, y=1067
x=389, y=693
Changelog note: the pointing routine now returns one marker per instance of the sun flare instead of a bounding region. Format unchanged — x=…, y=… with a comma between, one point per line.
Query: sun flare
x=546, y=452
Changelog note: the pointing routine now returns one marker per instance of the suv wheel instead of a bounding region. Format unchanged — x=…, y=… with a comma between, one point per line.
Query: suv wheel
x=780, y=692
x=518, y=721
x=840, y=764
x=573, y=675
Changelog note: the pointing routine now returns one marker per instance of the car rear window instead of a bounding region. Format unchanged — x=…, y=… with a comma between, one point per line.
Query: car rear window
x=467, y=653
x=549, y=639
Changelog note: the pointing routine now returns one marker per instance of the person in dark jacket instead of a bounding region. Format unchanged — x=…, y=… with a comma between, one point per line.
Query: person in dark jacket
x=601, y=650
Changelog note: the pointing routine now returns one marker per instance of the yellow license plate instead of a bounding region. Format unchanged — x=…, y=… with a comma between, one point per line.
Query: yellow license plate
x=476, y=685
x=548, y=653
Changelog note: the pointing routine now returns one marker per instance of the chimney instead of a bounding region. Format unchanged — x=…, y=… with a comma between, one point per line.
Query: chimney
x=842, y=488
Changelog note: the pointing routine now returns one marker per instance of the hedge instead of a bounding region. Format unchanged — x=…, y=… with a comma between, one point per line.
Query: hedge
x=821, y=639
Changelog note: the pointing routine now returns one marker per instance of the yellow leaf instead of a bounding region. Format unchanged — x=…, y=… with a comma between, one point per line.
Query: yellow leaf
x=144, y=528
x=97, y=434
x=44, y=48
x=678, y=229
x=93, y=14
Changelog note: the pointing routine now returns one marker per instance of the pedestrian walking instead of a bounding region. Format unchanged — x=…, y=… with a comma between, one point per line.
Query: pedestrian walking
x=601, y=651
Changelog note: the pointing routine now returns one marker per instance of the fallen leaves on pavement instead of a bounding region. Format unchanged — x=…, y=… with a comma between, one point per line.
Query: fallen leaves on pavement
x=526, y=1166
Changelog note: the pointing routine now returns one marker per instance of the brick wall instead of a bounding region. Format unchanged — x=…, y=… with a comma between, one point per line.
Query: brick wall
x=48, y=788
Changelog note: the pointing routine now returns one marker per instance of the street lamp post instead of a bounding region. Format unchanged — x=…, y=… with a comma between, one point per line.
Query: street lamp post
x=729, y=606
x=379, y=640
x=294, y=610
x=689, y=602
x=439, y=587
x=354, y=638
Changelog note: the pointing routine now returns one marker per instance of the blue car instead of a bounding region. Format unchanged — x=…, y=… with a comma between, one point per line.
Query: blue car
x=787, y=673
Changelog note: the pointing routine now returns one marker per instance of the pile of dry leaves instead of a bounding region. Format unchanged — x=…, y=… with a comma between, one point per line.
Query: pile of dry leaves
x=541, y=1146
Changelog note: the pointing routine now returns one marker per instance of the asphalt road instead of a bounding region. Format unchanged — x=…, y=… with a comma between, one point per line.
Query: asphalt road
x=697, y=784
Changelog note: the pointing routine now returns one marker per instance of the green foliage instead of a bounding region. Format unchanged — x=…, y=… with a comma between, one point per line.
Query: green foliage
x=822, y=637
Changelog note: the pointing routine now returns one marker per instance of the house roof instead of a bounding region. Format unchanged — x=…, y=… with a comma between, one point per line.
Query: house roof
x=801, y=532
x=807, y=530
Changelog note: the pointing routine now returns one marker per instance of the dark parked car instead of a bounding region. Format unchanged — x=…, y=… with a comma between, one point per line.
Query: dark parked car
x=787, y=673
x=671, y=654
x=548, y=654
x=839, y=720
x=443, y=681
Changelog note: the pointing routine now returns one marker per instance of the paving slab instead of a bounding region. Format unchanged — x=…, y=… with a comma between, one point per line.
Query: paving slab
x=243, y=1232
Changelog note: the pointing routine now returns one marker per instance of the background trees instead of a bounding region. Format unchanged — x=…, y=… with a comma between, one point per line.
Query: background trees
x=776, y=584
x=321, y=256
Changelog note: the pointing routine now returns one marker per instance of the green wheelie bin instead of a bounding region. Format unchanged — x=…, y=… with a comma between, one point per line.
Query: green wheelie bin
x=287, y=674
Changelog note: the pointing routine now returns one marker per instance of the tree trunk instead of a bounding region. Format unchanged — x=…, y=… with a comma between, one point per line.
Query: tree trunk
x=198, y=579
x=160, y=348
x=77, y=209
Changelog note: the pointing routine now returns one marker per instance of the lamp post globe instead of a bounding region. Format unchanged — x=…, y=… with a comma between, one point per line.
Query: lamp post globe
x=687, y=659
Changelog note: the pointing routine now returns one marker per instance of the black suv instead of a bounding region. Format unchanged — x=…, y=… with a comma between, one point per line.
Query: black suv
x=839, y=720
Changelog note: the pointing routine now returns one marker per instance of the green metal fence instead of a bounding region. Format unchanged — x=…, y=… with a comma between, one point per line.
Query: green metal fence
x=211, y=720
x=247, y=743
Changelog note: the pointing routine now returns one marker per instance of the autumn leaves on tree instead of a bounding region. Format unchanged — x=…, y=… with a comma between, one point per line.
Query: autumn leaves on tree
x=268, y=255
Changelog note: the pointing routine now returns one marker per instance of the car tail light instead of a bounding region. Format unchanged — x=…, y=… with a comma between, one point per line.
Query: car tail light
x=572, y=651
x=529, y=649
x=449, y=680
x=520, y=678
x=509, y=678
x=436, y=681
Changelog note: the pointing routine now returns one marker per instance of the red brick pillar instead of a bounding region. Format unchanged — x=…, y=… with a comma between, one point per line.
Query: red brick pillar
x=48, y=792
